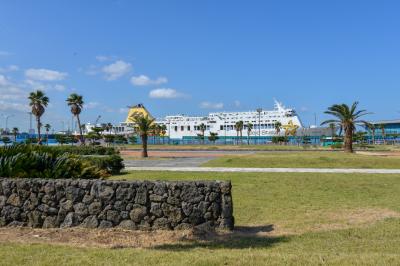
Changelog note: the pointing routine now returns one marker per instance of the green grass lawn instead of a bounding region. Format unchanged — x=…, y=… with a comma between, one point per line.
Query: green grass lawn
x=333, y=219
x=306, y=160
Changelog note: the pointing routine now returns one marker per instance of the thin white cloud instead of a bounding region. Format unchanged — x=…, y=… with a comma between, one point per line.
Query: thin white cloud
x=13, y=106
x=210, y=105
x=236, y=103
x=144, y=80
x=3, y=80
x=44, y=74
x=104, y=58
x=59, y=87
x=116, y=70
x=91, y=105
x=9, y=68
x=165, y=93
x=123, y=110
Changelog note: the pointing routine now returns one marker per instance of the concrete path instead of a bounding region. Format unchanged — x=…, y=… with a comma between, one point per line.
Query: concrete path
x=262, y=170
x=167, y=162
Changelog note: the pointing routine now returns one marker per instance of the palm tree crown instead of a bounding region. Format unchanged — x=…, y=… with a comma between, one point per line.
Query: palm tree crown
x=38, y=101
x=75, y=101
x=347, y=118
x=143, y=126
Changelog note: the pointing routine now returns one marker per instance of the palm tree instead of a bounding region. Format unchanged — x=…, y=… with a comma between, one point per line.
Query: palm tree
x=371, y=128
x=202, y=129
x=249, y=129
x=278, y=126
x=239, y=129
x=38, y=102
x=163, y=131
x=347, y=119
x=75, y=101
x=382, y=127
x=15, y=132
x=47, y=127
x=143, y=126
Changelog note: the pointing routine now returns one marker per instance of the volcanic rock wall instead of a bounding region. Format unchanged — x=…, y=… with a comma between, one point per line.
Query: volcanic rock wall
x=140, y=205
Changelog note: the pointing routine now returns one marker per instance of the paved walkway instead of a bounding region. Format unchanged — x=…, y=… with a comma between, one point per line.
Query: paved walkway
x=263, y=170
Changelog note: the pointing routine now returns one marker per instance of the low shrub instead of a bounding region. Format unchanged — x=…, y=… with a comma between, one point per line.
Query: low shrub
x=27, y=162
x=33, y=161
x=337, y=146
x=111, y=165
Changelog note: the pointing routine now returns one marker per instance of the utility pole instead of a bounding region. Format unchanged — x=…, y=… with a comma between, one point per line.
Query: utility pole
x=30, y=123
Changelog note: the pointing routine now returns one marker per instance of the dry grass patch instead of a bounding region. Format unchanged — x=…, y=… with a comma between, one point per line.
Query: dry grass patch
x=320, y=221
x=81, y=237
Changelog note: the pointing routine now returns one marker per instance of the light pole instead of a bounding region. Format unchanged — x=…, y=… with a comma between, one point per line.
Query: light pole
x=6, y=118
x=259, y=110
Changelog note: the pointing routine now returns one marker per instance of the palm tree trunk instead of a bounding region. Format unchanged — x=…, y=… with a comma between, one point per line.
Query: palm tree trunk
x=80, y=130
x=248, y=138
x=348, y=140
x=38, y=129
x=144, y=145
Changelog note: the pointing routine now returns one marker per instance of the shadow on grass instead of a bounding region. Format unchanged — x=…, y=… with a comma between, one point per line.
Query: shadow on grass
x=242, y=237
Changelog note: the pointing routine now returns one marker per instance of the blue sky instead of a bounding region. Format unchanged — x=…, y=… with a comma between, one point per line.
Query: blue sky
x=196, y=57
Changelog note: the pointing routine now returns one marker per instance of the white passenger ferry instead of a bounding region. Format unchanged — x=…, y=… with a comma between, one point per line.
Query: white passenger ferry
x=223, y=123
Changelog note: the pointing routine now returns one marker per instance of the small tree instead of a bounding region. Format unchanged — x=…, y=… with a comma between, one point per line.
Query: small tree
x=143, y=126
x=278, y=126
x=239, y=130
x=347, y=117
x=47, y=127
x=249, y=129
x=15, y=132
x=202, y=128
x=213, y=137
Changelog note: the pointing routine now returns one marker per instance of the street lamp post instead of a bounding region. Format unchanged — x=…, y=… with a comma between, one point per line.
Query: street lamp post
x=259, y=110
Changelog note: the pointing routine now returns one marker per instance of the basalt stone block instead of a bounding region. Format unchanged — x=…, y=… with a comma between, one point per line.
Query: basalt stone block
x=128, y=225
x=90, y=222
x=161, y=223
x=70, y=220
x=105, y=224
x=14, y=200
x=95, y=208
x=137, y=213
x=141, y=195
x=156, y=209
x=50, y=222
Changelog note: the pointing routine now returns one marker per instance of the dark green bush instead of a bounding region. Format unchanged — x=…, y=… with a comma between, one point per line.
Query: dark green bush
x=82, y=150
x=27, y=161
x=33, y=161
x=112, y=164
x=337, y=146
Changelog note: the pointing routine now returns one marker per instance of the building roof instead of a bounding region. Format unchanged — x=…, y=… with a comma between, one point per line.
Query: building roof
x=379, y=122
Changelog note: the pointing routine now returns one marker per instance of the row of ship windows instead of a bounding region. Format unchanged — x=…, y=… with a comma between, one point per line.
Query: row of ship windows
x=225, y=127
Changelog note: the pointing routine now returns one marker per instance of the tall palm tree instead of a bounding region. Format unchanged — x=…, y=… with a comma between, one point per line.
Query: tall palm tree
x=143, y=126
x=202, y=128
x=15, y=132
x=38, y=102
x=47, y=127
x=278, y=126
x=239, y=130
x=382, y=127
x=347, y=117
x=249, y=129
x=75, y=101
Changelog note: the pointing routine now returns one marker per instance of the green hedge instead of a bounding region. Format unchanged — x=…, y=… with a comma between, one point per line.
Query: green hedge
x=112, y=164
x=83, y=150
x=33, y=161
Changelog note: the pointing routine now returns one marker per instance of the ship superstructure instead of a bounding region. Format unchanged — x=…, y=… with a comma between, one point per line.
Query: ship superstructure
x=223, y=123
